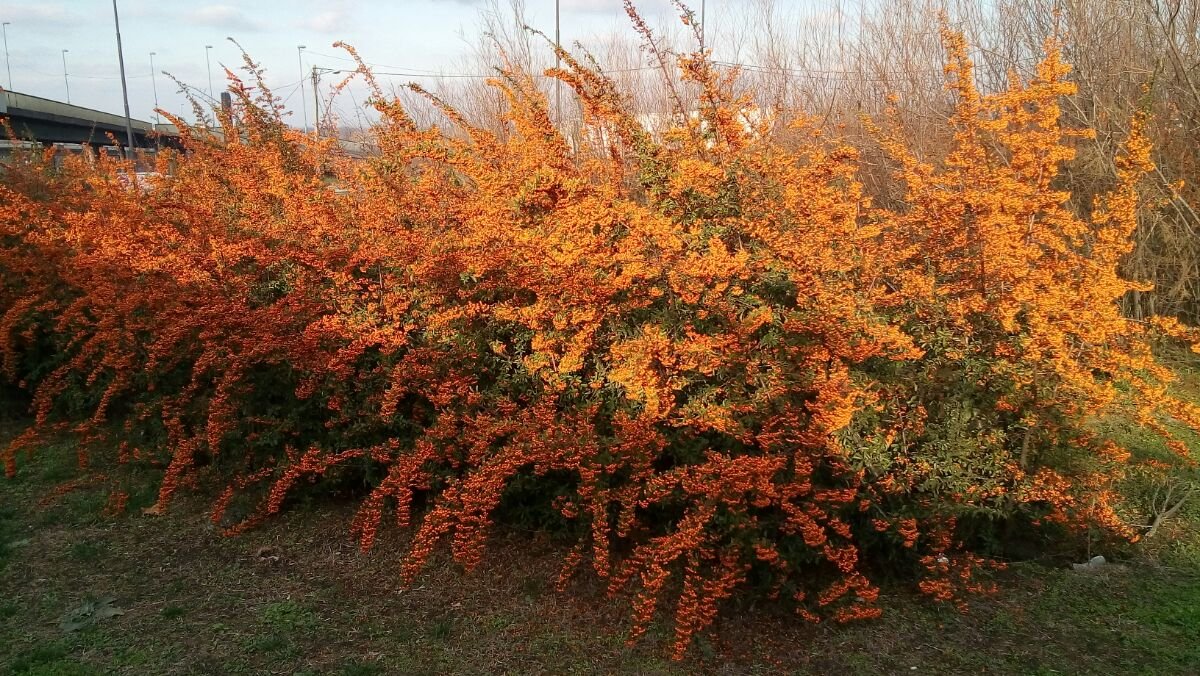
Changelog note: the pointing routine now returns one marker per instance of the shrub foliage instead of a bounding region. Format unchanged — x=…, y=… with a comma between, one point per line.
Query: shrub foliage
x=703, y=353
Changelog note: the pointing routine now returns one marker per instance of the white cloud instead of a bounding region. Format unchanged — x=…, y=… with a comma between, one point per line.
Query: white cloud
x=328, y=21
x=594, y=5
x=224, y=16
x=44, y=14
x=644, y=7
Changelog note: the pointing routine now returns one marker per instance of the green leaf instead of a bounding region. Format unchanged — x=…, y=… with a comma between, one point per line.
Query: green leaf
x=89, y=613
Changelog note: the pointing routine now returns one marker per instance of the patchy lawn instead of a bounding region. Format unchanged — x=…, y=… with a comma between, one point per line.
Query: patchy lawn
x=82, y=592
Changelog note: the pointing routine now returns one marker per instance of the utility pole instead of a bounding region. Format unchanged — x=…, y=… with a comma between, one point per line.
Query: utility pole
x=124, y=87
x=65, y=80
x=154, y=86
x=557, y=65
x=316, y=105
x=208, y=64
x=7, y=63
x=702, y=36
x=303, y=104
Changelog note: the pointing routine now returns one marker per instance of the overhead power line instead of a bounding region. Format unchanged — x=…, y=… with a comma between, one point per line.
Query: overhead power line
x=83, y=77
x=811, y=73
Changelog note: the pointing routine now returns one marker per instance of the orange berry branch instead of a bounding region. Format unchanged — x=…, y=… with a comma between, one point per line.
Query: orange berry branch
x=715, y=359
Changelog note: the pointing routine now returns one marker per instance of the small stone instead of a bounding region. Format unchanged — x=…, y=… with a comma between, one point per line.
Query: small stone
x=1093, y=564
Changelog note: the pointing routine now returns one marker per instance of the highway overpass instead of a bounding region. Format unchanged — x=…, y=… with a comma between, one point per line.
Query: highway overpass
x=34, y=118
x=47, y=121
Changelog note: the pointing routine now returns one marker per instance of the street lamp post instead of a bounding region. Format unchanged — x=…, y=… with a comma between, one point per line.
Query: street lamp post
x=65, y=80
x=124, y=86
x=7, y=63
x=208, y=63
x=154, y=87
x=557, y=65
x=303, y=104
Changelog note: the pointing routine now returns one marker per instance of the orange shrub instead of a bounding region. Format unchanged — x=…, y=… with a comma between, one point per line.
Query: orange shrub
x=710, y=356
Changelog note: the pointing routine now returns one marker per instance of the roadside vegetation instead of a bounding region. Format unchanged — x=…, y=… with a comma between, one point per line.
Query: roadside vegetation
x=513, y=394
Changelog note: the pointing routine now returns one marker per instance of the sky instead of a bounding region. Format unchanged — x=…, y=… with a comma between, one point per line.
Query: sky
x=408, y=35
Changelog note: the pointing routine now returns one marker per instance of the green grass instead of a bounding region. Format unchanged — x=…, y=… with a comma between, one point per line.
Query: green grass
x=289, y=616
x=442, y=629
x=358, y=668
x=1178, y=543
x=88, y=551
x=270, y=643
x=40, y=658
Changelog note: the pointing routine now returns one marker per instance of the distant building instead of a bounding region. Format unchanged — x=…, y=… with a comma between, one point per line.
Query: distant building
x=754, y=120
